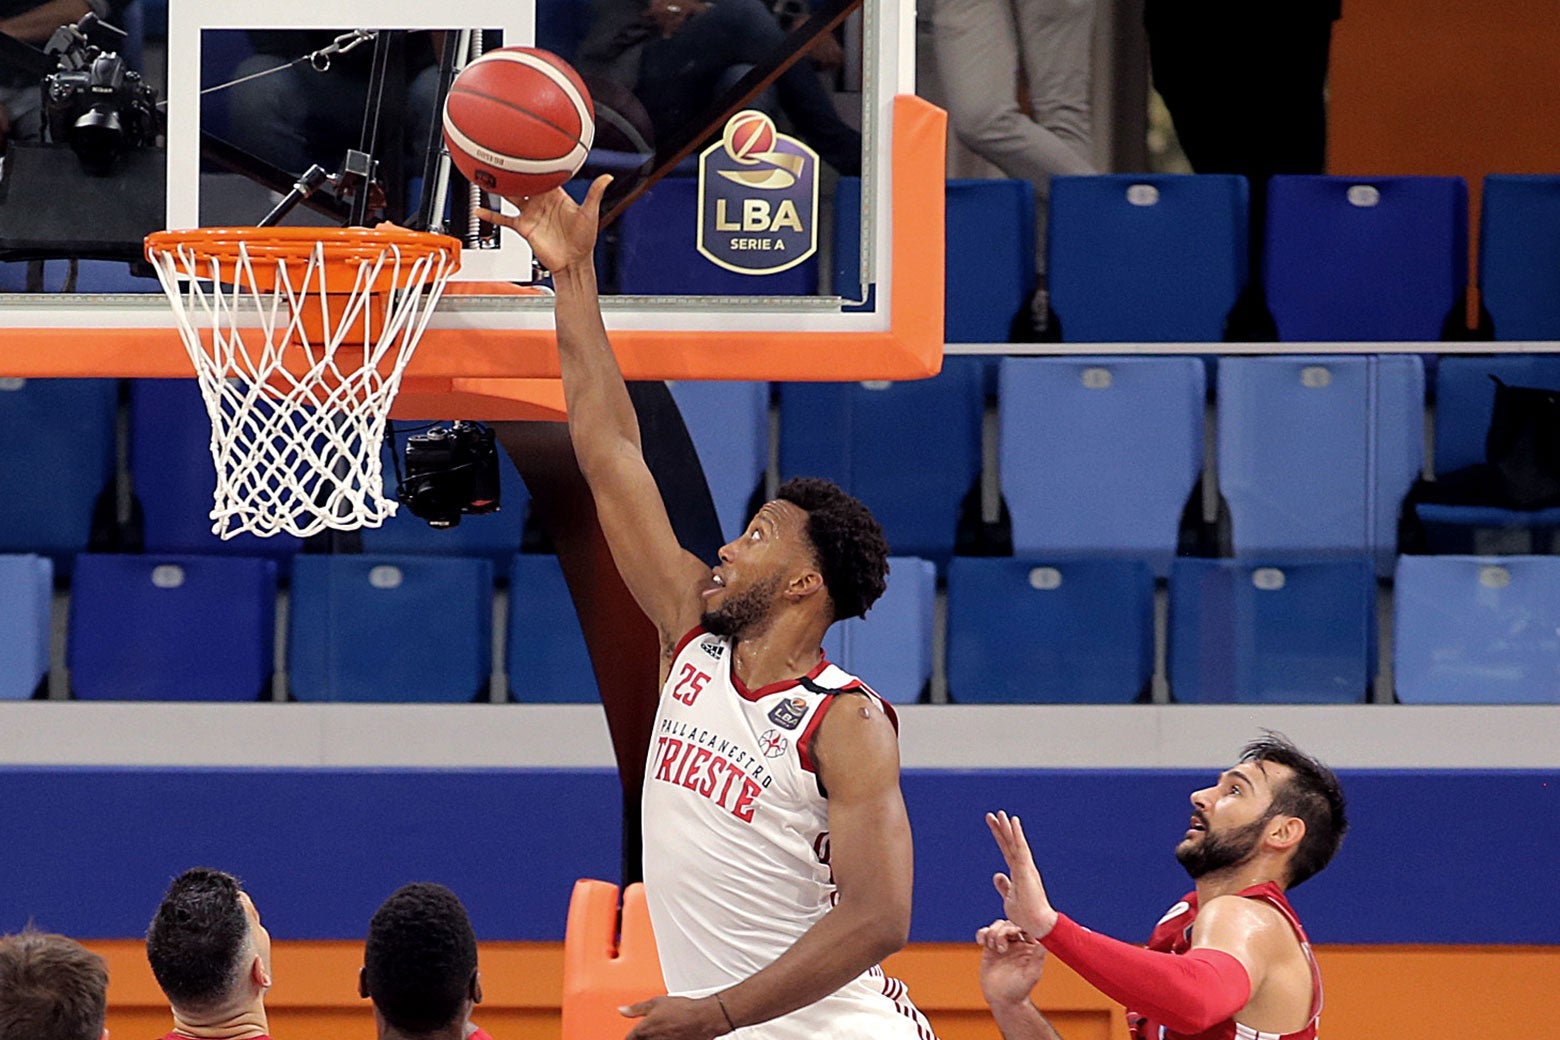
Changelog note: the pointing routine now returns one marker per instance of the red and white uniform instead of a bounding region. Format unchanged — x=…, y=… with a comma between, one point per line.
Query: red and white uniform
x=736, y=840
x=1173, y=934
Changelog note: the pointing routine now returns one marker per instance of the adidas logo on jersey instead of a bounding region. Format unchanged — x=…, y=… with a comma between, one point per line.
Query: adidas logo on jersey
x=715, y=650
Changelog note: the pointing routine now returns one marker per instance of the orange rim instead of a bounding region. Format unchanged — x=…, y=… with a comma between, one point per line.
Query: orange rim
x=266, y=247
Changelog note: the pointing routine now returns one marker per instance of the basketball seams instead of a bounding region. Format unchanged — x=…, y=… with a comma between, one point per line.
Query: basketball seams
x=578, y=138
x=559, y=79
x=509, y=163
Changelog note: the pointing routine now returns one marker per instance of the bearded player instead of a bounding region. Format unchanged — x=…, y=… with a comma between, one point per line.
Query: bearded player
x=1230, y=961
x=777, y=857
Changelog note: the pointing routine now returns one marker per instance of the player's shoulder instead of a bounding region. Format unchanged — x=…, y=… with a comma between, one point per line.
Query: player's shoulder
x=1254, y=916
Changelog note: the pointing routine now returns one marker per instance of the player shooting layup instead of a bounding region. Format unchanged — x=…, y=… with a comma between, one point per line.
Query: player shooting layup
x=1230, y=960
x=777, y=850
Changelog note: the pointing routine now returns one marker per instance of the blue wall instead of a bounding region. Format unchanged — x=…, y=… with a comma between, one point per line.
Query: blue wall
x=1434, y=856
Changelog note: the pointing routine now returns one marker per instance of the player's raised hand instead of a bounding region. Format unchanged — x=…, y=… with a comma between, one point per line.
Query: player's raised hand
x=1023, y=895
x=676, y=1018
x=561, y=232
x=1010, y=963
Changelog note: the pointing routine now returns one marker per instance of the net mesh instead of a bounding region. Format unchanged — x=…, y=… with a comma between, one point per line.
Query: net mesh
x=299, y=353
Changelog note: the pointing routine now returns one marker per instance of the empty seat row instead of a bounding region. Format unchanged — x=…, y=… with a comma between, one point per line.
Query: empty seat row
x=398, y=629
x=1100, y=456
x=360, y=628
x=1163, y=258
x=1467, y=630
x=1095, y=455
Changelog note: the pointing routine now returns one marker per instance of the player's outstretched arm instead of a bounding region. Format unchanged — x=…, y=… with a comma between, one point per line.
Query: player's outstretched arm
x=1010, y=966
x=1190, y=993
x=664, y=578
x=857, y=755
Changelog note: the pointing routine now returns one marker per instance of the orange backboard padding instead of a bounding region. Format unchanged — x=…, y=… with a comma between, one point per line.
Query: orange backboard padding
x=606, y=964
x=480, y=364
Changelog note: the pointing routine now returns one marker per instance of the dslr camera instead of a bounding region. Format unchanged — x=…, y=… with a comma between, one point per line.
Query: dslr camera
x=95, y=102
x=451, y=471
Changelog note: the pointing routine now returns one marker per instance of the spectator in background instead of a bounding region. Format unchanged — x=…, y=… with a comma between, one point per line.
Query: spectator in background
x=1245, y=82
x=51, y=988
x=982, y=48
x=212, y=958
x=420, y=967
x=677, y=55
x=21, y=102
x=302, y=116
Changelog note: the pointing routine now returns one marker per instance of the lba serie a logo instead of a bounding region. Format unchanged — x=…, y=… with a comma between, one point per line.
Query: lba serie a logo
x=758, y=198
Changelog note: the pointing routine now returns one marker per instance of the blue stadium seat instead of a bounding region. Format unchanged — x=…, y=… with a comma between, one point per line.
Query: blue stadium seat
x=492, y=536
x=1029, y=630
x=1464, y=406
x=658, y=254
x=1365, y=259
x=909, y=450
x=1519, y=255
x=729, y=424
x=174, y=477
x=390, y=628
x=57, y=460
x=989, y=252
x=547, y=660
x=1316, y=453
x=172, y=628
x=891, y=648
x=1477, y=630
x=1098, y=455
x=26, y=595
x=1465, y=400
x=1272, y=633
x=1146, y=258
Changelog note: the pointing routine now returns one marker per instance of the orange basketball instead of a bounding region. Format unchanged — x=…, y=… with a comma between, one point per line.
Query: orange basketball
x=518, y=121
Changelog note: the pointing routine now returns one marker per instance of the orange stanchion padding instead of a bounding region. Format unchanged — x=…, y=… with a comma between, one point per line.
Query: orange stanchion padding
x=606, y=965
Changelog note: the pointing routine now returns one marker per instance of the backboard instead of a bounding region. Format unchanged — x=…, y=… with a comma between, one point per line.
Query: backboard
x=489, y=347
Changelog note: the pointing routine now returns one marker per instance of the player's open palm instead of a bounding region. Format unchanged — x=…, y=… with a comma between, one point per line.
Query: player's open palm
x=1023, y=895
x=561, y=232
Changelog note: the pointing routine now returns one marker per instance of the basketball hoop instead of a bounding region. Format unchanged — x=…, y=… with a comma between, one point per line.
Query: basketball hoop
x=299, y=338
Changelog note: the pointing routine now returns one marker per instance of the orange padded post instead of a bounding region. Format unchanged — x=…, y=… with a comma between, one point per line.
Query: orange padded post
x=606, y=965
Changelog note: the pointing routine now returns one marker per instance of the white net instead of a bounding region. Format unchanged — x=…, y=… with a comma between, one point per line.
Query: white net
x=299, y=354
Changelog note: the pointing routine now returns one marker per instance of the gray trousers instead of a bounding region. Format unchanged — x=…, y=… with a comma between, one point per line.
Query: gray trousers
x=980, y=45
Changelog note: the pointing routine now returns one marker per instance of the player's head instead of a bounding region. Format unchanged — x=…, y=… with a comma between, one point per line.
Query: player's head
x=51, y=988
x=812, y=546
x=207, y=947
x=420, y=963
x=1276, y=802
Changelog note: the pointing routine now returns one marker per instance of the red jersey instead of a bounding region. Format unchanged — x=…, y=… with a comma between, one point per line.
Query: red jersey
x=1173, y=934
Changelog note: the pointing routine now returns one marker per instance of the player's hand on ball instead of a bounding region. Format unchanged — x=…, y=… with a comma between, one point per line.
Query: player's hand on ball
x=676, y=1018
x=1010, y=963
x=1023, y=895
x=561, y=232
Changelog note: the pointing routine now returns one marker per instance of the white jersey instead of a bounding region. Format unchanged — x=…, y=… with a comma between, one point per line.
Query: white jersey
x=736, y=840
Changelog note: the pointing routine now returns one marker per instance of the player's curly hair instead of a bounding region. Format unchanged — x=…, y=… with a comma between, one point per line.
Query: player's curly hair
x=198, y=938
x=1312, y=794
x=420, y=958
x=852, y=553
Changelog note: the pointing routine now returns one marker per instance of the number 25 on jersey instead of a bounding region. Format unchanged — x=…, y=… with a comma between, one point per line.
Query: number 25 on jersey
x=690, y=683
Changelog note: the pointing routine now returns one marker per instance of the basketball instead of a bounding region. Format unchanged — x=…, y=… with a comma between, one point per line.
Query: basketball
x=518, y=121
